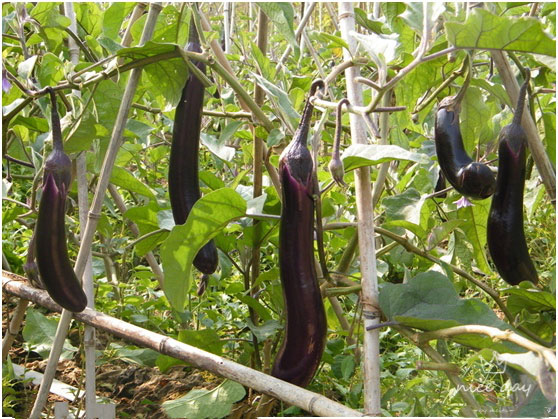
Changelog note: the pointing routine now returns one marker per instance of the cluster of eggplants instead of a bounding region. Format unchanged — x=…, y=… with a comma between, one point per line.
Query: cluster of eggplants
x=505, y=235
x=53, y=262
x=184, y=189
x=299, y=356
x=472, y=179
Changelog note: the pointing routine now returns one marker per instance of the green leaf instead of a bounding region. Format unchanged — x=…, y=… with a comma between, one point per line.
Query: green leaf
x=123, y=178
x=107, y=99
x=405, y=206
x=206, y=339
x=217, y=147
x=412, y=227
x=549, y=121
x=483, y=30
x=208, y=217
x=429, y=302
x=48, y=15
x=113, y=17
x=533, y=300
x=414, y=14
x=282, y=16
x=264, y=330
x=359, y=155
x=494, y=89
x=334, y=41
x=39, y=332
x=474, y=228
x=25, y=69
x=280, y=97
x=165, y=77
x=441, y=232
x=141, y=356
x=476, y=127
x=50, y=71
x=201, y=403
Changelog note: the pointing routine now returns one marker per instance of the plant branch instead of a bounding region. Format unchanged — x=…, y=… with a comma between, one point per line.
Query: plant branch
x=495, y=334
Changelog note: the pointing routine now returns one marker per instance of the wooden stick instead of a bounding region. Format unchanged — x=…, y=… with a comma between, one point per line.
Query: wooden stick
x=313, y=403
x=365, y=215
x=13, y=327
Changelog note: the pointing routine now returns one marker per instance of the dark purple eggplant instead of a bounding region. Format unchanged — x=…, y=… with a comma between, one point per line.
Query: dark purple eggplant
x=305, y=329
x=441, y=185
x=184, y=188
x=336, y=164
x=505, y=234
x=53, y=262
x=472, y=179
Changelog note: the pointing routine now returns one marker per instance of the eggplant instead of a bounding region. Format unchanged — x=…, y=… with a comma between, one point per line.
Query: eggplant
x=472, y=179
x=505, y=233
x=305, y=329
x=336, y=164
x=53, y=262
x=184, y=188
x=441, y=184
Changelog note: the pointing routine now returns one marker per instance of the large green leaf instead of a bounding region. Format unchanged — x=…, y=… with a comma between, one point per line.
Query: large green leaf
x=147, y=220
x=208, y=217
x=483, y=30
x=359, y=155
x=429, y=302
x=165, y=77
x=39, y=332
x=113, y=17
x=201, y=403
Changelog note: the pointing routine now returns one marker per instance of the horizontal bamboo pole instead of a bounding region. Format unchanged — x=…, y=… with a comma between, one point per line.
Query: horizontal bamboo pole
x=313, y=403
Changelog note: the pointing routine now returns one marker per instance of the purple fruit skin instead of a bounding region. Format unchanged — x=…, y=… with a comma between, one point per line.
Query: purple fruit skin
x=305, y=332
x=53, y=262
x=184, y=189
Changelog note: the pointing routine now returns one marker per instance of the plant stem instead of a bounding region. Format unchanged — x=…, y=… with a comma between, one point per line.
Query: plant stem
x=495, y=334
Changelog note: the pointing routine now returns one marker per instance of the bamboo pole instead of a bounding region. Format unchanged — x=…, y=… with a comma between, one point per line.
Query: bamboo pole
x=313, y=403
x=227, y=26
x=365, y=215
x=540, y=157
x=94, y=214
x=83, y=204
x=13, y=327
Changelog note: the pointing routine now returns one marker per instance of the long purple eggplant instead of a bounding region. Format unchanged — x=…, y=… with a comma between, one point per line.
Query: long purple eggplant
x=53, y=262
x=299, y=356
x=505, y=234
x=184, y=188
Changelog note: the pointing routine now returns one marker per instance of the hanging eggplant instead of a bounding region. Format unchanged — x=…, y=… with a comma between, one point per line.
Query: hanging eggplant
x=299, y=356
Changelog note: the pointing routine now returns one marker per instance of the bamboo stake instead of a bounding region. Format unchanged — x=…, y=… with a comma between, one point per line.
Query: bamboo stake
x=13, y=327
x=257, y=186
x=365, y=215
x=227, y=26
x=94, y=214
x=83, y=203
x=313, y=403
x=540, y=157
